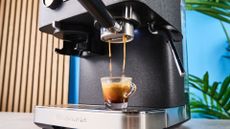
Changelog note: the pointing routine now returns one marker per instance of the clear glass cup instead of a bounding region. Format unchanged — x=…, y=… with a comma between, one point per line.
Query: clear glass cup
x=116, y=91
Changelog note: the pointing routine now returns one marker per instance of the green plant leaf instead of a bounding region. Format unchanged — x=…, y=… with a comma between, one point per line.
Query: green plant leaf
x=206, y=82
x=227, y=107
x=218, y=9
x=194, y=78
x=195, y=82
x=195, y=97
x=224, y=86
x=195, y=86
x=210, y=10
x=219, y=97
x=213, y=92
x=226, y=2
x=206, y=86
x=197, y=105
x=226, y=32
x=213, y=88
x=216, y=16
x=211, y=113
x=226, y=97
x=214, y=4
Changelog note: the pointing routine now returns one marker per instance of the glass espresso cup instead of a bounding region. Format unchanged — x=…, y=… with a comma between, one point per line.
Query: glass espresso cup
x=116, y=91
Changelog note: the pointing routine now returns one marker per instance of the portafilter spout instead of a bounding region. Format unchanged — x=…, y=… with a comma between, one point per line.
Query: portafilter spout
x=111, y=29
x=117, y=37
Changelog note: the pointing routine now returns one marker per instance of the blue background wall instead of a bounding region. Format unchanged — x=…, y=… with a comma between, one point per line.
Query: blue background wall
x=206, y=43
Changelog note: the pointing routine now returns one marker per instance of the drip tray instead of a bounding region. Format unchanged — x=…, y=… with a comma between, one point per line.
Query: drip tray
x=98, y=117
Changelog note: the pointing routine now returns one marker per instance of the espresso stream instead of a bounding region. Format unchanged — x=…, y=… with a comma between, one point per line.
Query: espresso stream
x=124, y=39
x=115, y=92
x=110, y=60
x=124, y=55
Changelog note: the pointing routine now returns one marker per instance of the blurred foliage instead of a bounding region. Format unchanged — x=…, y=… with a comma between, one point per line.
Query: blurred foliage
x=227, y=35
x=215, y=100
x=228, y=40
x=219, y=9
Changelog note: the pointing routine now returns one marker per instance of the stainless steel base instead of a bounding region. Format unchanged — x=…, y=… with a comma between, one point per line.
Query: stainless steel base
x=98, y=117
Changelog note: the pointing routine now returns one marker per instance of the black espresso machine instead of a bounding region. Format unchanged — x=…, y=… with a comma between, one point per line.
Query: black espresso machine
x=155, y=58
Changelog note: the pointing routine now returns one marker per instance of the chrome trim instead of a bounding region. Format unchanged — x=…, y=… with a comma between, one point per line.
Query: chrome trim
x=97, y=116
x=117, y=37
x=124, y=26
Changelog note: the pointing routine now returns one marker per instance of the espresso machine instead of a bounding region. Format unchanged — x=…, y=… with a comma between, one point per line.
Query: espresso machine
x=155, y=61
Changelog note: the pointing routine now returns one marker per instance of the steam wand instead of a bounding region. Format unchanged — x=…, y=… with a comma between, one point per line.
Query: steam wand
x=174, y=35
x=177, y=59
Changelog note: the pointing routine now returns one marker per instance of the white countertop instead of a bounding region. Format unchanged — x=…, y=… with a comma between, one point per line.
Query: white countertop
x=25, y=121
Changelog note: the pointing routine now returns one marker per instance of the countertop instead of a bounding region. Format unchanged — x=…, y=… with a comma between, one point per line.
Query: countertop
x=25, y=121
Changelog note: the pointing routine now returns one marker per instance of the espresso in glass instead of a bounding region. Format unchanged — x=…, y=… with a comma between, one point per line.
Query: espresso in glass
x=116, y=91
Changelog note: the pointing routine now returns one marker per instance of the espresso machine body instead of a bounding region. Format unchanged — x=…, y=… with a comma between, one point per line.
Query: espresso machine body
x=151, y=65
x=154, y=57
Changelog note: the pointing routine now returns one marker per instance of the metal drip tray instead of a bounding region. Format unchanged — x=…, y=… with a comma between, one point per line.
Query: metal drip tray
x=98, y=117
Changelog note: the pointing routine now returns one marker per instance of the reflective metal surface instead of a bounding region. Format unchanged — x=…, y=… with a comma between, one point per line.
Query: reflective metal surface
x=98, y=117
x=126, y=24
x=117, y=37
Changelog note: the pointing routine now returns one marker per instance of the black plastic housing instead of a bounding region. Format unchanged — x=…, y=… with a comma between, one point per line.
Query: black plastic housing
x=149, y=59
